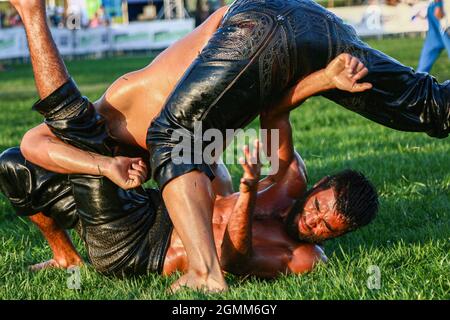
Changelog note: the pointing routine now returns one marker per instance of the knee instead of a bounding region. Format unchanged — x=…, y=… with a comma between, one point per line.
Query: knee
x=13, y=173
x=11, y=160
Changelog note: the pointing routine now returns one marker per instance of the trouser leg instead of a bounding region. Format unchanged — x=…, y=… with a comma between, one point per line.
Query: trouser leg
x=433, y=44
x=401, y=98
x=32, y=189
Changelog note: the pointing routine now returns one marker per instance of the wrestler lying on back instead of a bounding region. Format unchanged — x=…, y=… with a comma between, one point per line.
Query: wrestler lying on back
x=49, y=78
x=265, y=229
x=287, y=186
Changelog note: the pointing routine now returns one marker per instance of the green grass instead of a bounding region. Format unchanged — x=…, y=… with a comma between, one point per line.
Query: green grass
x=409, y=240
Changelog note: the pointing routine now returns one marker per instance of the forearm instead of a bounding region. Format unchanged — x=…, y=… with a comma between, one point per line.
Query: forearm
x=42, y=148
x=311, y=85
x=48, y=67
x=237, y=242
x=281, y=152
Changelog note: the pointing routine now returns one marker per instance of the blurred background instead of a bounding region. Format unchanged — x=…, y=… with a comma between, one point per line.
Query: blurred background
x=409, y=241
x=99, y=27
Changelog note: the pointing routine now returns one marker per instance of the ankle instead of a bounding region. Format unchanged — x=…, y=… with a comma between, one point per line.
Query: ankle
x=205, y=271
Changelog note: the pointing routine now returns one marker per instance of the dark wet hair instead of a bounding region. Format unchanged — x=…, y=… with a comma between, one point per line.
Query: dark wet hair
x=356, y=197
x=356, y=201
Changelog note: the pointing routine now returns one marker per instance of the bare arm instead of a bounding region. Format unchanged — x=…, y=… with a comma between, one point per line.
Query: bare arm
x=341, y=73
x=237, y=242
x=284, y=156
x=41, y=147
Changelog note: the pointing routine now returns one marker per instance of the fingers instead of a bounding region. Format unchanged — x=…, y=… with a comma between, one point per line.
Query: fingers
x=253, y=158
x=257, y=147
x=361, y=74
x=245, y=161
x=360, y=66
x=353, y=65
x=360, y=87
x=346, y=58
x=141, y=167
x=137, y=174
x=135, y=178
x=251, y=165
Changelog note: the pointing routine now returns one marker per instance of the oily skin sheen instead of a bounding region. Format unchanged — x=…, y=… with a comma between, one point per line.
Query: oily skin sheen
x=129, y=106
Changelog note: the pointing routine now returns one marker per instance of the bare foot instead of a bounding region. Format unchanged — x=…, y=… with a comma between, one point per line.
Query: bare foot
x=62, y=263
x=203, y=283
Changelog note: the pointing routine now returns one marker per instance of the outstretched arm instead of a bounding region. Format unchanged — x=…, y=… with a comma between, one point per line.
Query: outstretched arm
x=237, y=243
x=238, y=253
x=342, y=73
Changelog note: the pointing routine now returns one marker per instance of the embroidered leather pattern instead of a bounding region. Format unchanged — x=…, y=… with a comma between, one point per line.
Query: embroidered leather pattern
x=240, y=37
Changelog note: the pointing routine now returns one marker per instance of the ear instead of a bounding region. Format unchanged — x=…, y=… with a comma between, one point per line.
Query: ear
x=323, y=180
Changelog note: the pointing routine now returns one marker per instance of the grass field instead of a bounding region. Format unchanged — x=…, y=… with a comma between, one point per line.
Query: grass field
x=409, y=241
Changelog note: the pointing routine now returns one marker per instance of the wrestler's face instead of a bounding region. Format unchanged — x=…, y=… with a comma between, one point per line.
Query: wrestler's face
x=317, y=219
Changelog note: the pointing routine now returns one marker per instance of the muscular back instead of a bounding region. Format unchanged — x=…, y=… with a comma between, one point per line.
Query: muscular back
x=132, y=101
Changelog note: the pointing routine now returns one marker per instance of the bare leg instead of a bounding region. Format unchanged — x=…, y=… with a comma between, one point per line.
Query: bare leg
x=189, y=200
x=50, y=73
x=49, y=70
x=64, y=253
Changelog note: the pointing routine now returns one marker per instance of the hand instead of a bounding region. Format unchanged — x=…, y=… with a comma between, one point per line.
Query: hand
x=127, y=173
x=252, y=169
x=344, y=72
x=439, y=13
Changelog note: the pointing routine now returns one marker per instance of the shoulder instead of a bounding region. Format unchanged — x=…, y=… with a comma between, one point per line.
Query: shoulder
x=305, y=257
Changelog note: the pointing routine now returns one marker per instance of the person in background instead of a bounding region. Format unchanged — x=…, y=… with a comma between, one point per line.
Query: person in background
x=437, y=38
x=103, y=15
x=95, y=21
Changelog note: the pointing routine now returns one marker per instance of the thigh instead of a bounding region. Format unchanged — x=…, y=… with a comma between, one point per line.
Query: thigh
x=226, y=87
x=32, y=189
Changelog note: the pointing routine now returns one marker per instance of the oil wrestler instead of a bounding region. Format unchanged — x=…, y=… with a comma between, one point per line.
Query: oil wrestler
x=262, y=57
